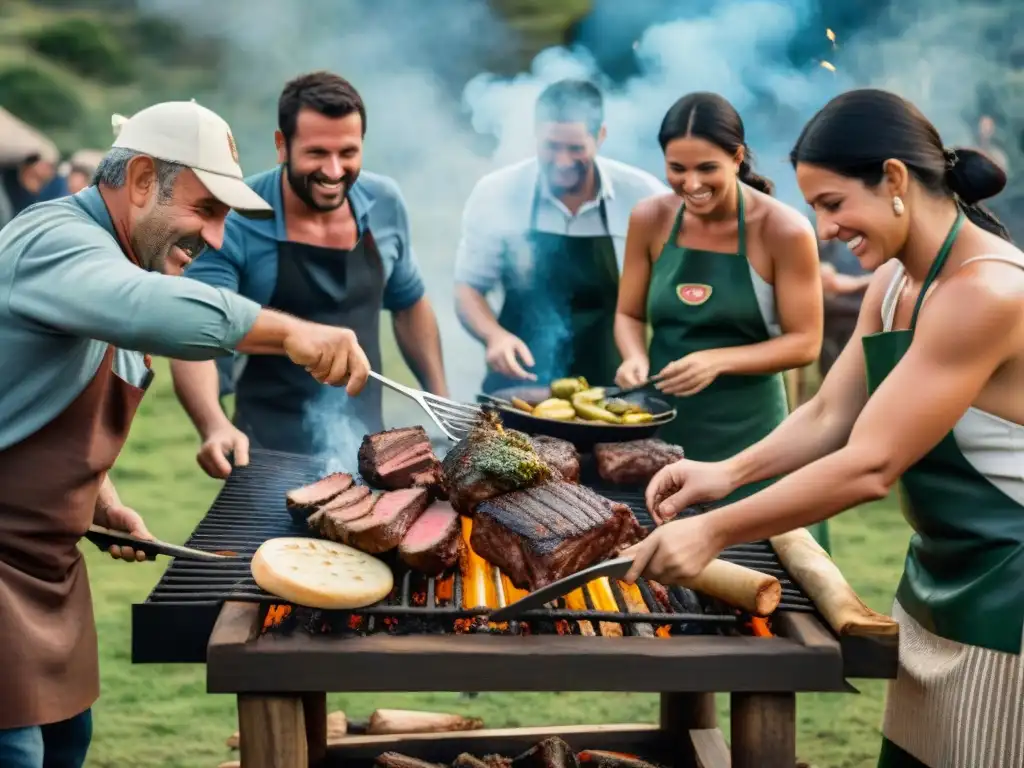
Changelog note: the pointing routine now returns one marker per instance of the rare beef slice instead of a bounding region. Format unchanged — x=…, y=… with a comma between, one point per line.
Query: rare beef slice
x=541, y=534
x=343, y=501
x=634, y=462
x=431, y=545
x=399, y=458
x=489, y=461
x=383, y=528
x=311, y=497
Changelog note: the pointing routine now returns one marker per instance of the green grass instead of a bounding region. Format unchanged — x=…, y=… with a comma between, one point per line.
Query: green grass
x=161, y=714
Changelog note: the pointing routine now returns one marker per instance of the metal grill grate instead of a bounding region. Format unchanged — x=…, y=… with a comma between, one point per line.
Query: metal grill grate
x=250, y=509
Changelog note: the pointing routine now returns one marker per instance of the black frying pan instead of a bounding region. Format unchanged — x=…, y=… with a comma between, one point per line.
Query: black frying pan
x=582, y=434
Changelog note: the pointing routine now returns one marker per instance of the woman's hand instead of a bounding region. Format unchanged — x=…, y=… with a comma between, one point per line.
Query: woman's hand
x=674, y=552
x=633, y=372
x=685, y=483
x=689, y=375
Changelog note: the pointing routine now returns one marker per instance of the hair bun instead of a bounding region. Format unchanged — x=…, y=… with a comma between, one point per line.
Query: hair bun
x=973, y=175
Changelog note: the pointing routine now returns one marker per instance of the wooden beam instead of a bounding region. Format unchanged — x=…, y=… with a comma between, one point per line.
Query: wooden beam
x=314, y=715
x=711, y=749
x=272, y=732
x=681, y=713
x=763, y=732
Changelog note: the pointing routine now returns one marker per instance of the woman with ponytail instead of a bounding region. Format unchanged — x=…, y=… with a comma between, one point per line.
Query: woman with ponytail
x=727, y=276
x=927, y=394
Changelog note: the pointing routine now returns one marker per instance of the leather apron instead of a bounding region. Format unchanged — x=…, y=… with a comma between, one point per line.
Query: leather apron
x=51, y=482
x=277, y=403
x=965, y=565
x=699, y=300
x=564, y=309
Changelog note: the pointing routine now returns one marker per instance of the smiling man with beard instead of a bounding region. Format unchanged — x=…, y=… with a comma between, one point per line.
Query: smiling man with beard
x=550, y=231
x=89, y=284
x=337, y=251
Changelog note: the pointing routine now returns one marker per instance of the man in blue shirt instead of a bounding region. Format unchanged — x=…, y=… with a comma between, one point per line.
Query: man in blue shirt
x=337, y=251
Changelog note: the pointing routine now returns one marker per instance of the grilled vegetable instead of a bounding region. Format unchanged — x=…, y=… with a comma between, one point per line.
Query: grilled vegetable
x=566, y=388
x=555, y=408
x=637, y=418
x=522, y=405
x=594, y=412
x=621, y=407
x=593, y=395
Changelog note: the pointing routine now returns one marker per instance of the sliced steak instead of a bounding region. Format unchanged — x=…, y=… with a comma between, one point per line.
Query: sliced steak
x=397, y=458
x=390, y=519
x=310, y=497
x=541, y=534
x=333, y=519
x=560, y=455
x=398, y=760
x=343, y=500
x=431, y=545
x=634, y=462
x=489, y=461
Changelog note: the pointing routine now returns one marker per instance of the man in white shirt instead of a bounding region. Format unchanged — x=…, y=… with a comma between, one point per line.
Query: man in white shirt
x=550, y=231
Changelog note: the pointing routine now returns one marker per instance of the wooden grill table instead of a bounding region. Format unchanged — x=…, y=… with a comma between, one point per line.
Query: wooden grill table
x=281, y=681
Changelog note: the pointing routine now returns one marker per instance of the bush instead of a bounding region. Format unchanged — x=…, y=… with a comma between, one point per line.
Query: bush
x=38, y=98
x=87, y=48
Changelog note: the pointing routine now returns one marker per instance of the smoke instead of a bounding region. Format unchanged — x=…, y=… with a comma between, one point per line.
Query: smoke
x=402, y=56
x=337, y=430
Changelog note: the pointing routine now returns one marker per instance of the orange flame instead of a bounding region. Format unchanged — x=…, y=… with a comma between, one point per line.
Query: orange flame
x=276, y=614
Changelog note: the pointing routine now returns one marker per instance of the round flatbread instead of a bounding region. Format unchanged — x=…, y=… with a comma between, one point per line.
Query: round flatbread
x=320, y=574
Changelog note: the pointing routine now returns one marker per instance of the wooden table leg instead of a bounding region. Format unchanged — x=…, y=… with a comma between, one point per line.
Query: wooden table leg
x=272, y=732
x=314, y=710
x=681, y=713
x=763, y=730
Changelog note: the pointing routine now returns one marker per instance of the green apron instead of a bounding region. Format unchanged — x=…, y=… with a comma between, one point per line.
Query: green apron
x=701, y=300
x=564, y=310
x=964, y=574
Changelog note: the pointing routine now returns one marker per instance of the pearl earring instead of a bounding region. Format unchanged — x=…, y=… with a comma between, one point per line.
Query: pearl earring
x=897, y=205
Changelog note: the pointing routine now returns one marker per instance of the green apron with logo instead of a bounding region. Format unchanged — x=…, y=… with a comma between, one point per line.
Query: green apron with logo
x=700, y=300
x=964, y=574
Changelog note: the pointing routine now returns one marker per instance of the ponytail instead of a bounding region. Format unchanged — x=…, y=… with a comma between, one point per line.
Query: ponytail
x=972, y=177
x=751, y=179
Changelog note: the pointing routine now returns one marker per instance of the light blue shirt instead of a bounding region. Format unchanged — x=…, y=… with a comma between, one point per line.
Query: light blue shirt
x=67, y=292
x=247, y=261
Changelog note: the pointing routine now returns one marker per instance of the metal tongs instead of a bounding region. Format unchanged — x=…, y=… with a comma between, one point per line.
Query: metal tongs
x=104, y=538
x=455, y=420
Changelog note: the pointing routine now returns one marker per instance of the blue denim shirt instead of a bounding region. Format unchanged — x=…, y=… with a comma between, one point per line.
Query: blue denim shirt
x=247, y=261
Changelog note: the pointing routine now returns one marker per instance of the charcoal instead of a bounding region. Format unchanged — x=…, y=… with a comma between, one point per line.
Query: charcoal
x=560, y=455
x=311, y=497
x=431, y=545
x=542, y=534
x=550, y=753
x=387, y=523
x=398, y=760
x=489, y=461
x=634, y=462
x=399, y=458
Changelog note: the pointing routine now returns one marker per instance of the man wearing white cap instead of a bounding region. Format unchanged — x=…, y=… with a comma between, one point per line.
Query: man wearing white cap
x=86, y=293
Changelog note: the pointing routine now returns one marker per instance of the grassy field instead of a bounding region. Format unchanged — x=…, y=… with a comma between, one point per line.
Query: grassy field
x=153, y=715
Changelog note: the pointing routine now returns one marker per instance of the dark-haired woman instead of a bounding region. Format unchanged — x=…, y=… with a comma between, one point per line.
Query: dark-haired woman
x=927, y=393
x=728, y=278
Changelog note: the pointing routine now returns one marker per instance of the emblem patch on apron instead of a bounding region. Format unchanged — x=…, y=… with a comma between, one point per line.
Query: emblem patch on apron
x=693, y=294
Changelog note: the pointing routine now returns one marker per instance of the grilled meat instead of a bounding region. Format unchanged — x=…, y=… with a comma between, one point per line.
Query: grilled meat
x=541, y=534
x=634, y=462
x=339, y=506
x=497, y=761
x=399, y=458
x=398, y=760
x=431, y=544
x=334, y=521
x=560, y=455
x=489, y=461
x=310, y=497
x=550, y=753
x=599, y=759
x=390, y=519
x=466, y=760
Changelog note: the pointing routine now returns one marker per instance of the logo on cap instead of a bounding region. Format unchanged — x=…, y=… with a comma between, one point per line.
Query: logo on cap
x=693, y=294
x=232, y=147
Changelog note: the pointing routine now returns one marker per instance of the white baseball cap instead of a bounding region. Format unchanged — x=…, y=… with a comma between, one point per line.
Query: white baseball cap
x=188, y=134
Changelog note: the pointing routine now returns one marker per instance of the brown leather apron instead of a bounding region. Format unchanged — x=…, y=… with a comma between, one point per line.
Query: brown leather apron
x=49, y=484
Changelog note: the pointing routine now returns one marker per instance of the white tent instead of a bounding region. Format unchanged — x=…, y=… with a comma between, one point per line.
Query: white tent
x=19, y=140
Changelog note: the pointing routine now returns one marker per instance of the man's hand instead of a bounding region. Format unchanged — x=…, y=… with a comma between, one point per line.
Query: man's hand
x=221, y=442
x=331, y=355
x=504, y=353
x=685, y=483
x=689, y=375
x=674, y=552
x=118, y=517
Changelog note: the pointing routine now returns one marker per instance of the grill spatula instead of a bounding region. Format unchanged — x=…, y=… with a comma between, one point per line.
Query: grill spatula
x=104, y=538
x=615, y=568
